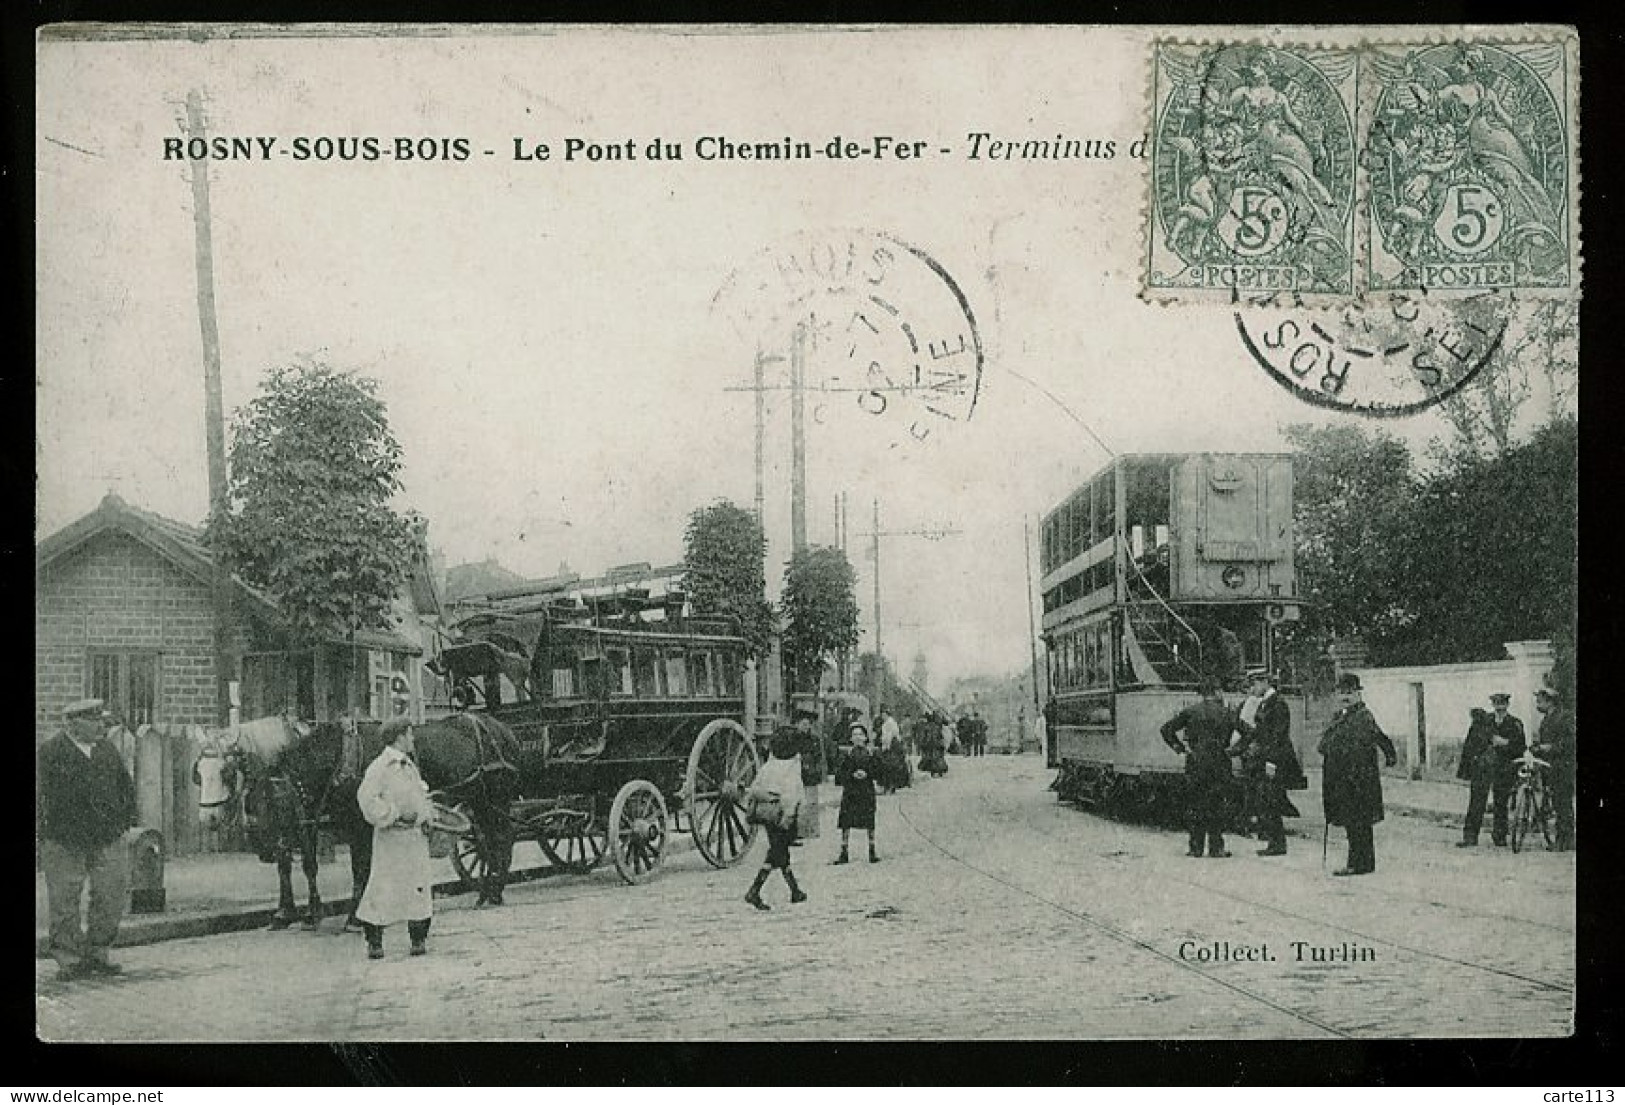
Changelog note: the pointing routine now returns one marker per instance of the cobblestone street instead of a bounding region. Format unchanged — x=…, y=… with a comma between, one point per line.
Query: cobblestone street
x=997, y=913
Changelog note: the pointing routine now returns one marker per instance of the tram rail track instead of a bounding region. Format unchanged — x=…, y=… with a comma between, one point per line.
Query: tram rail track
x=1534, y=983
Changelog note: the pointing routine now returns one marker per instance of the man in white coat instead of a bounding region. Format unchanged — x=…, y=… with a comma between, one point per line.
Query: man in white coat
x=395, y=801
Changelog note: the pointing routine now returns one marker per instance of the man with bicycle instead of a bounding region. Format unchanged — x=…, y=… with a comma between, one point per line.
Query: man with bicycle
x=1492, y=766
x=1554, y=743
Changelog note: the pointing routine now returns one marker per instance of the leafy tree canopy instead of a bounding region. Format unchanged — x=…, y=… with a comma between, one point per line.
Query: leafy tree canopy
x=820, y=610
x=724, y=570
x=313, y=467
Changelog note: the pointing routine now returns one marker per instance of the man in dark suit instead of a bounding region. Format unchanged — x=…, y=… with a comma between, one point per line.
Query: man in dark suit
x=1201, y=733
x=86, y=802
x=1351, y=787
x=1495, y=770
x=1271, y=762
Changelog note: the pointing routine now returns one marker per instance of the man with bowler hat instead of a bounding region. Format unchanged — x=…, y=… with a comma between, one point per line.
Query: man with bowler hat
x=1201, y=733
x=86, y=802
x=1554, y=743
x=1493, y=770
x=1351, y=788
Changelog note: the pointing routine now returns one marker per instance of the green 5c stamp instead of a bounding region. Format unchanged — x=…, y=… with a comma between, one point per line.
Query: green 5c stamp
x=1252, y=173
x=1469, y=166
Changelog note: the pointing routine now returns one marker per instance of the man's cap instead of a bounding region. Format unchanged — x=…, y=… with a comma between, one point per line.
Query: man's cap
x=806, y=712
x=1500, y=698
x=1548, y=692
x=858, y=727
x=393, y=728
x=1259, y=673
x=84, y=708
x=1348, y=681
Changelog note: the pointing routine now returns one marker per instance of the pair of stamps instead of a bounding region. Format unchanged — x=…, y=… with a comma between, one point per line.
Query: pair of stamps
x=1333, y=173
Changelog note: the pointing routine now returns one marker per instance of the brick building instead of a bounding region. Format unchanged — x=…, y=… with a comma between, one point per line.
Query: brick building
x=123, y=613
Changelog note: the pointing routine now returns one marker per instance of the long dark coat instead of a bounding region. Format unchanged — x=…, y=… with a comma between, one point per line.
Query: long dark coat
x=1271, y=742
x=1351, y=788
x=1478, y=759
x=857, y=795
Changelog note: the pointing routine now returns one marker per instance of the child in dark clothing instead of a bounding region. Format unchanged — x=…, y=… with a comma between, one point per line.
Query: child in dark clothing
x=856, y=779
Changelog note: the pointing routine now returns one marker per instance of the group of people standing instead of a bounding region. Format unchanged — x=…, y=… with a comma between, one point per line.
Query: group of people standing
x=1258, y=733
x=1210, y=735
x=1490, y=755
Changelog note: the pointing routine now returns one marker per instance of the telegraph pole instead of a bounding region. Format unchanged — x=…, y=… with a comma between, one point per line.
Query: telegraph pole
x=1032, y=630
x=213, y=408
x=798, y=439
x=761, y=421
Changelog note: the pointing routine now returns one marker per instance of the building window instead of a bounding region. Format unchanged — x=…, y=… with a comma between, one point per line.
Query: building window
x=564, y=683
x=127, y=682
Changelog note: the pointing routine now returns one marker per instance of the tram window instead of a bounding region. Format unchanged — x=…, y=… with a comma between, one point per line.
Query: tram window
x=676, y=672
x=646, y=672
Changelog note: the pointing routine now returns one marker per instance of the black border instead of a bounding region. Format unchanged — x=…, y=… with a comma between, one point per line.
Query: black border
x=1553, y=1064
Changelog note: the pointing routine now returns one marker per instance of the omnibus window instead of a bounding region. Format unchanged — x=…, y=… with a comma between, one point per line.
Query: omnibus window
x=731, y=671
x=646, y=672
x=700, y=667
x=676, y=672
x=620, y=670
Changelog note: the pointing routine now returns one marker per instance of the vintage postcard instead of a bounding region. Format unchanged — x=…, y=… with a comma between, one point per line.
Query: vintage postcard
x=750, y=533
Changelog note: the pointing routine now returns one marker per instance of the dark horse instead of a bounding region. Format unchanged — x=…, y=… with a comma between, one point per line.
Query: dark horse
x=300, y=775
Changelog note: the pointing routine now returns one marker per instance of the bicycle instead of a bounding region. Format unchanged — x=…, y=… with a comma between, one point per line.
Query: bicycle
x=1531, y=801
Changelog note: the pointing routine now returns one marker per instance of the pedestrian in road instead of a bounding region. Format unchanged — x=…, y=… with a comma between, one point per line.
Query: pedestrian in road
x=855, y=776
x=1351, y=788
x=893, y=773
x=395, y=801
x=1269, y=759
x=1554, y=743
x=86, y=802
x=775, y=800
x=1201, y=733
x=1489, y=762
x=809, y=753
x=933, y=744
x=978, y=734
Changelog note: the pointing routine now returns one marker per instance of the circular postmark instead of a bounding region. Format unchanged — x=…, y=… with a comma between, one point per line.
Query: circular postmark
x=1379, y=359
x=1253, y=169
x=878, y=326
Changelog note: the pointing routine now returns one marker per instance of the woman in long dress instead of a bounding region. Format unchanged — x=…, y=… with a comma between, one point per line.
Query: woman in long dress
x=395, y=801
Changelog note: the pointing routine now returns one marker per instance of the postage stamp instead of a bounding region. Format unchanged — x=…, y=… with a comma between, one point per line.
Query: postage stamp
x=1469, y=160
x=1252, y=172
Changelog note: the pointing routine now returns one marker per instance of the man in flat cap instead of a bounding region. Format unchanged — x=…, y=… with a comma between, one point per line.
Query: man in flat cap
x=1497, y=772
x=1351, y=788
x=86, y=802
x=1554, y=743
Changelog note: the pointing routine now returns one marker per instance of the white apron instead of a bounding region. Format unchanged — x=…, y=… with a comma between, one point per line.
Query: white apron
x=398, y=889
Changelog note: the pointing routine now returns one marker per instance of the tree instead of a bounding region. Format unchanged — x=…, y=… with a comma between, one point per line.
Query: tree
x=1351, y=492
x=724, y=570
x=307, y=517
x=820, y=610
x=1488, y=553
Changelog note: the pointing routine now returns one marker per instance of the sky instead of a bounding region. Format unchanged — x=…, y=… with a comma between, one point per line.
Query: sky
x=546, y=334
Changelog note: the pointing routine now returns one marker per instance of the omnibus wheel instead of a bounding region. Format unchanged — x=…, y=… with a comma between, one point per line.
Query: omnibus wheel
x=570, y=840
x=638, y=831
x=721, y=768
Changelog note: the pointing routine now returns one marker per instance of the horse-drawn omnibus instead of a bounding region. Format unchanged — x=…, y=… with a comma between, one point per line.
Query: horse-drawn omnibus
x=630, y=727
x=1161, y=570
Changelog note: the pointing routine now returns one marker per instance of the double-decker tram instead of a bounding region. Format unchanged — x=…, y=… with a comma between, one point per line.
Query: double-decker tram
x=1161, y=570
